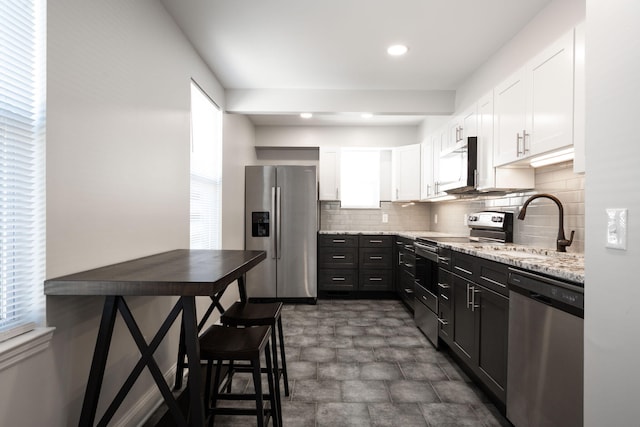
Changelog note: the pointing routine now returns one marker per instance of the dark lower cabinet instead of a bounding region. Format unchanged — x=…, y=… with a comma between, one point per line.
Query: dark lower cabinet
x=480, y=319
x=352, y=265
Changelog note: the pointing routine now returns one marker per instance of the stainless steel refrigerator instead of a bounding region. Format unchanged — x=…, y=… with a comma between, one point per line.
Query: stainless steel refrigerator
x=281, y=209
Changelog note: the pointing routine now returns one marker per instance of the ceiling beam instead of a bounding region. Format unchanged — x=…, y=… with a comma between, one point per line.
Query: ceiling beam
x=290, y=101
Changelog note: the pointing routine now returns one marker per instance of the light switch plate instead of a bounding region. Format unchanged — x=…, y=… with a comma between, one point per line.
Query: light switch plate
x=385, y=217
x=617, y=229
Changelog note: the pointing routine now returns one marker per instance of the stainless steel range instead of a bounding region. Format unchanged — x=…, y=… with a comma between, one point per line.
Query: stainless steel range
x=429, y=292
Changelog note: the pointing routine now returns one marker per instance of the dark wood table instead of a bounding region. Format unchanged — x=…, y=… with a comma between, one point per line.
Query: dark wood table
x=184, y=273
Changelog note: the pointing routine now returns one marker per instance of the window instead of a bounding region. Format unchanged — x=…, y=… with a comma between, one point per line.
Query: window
x=360, y=178
x=22, y=149
x=206, y=171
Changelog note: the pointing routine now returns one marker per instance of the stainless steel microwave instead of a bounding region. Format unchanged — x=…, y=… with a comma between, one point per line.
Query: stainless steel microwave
x=457, y=168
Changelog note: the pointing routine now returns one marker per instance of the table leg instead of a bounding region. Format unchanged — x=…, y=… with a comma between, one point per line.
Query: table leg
x=99, y=362
x=242, y=289
x=190, y=322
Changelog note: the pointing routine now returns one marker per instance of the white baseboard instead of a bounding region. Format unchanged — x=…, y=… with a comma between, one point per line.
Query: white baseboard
x=139, y=413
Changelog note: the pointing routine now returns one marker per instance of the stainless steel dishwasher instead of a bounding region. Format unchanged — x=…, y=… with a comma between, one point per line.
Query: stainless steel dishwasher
x=545, y=356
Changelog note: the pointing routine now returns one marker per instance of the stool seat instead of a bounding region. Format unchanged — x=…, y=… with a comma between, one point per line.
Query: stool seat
x=249, y=314
x=252, y=314
x=219, y=342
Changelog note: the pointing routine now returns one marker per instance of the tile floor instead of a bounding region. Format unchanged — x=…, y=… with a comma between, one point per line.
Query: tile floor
x=364, y=363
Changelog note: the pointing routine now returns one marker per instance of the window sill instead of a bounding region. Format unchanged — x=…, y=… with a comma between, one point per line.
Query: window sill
x=23, y=346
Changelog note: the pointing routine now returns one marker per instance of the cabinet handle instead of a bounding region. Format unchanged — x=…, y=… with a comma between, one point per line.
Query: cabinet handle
x=375, y=258
x=443, y=285
x=338, y=279
x=518, y=139
x=444, y=260
x=337, y=193
x=428, y=189
x=443, y=322
x=375, y=279
x=375, y=241
x=525, y=150
x=397, y=192
x=467, y=301
x=444, y=297
x=338, y=240
x=474, y=291
x=408, y=291
x=400, y=255
x=338, y=257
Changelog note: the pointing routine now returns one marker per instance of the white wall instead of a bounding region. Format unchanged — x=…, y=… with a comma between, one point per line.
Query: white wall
x=612, y=317
x=117, y=188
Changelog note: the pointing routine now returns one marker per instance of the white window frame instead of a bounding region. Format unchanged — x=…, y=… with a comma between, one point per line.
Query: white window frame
x=206, y=171
x=22, y=180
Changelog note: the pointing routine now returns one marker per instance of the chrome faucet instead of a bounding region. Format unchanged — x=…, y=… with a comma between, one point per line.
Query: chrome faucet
x=562, y=242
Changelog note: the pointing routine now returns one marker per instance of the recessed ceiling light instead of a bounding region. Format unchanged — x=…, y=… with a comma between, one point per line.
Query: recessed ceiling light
x=306, y=115
x=366, y=115
x=397, y=50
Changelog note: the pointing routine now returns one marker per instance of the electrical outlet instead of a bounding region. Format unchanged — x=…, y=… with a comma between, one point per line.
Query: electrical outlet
x=435, y=218
x=385, y=217
x=617, y=229
x=465, y=219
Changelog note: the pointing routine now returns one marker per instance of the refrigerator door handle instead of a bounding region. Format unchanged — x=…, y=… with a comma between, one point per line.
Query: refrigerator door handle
x=278, y=223
x=274, y=213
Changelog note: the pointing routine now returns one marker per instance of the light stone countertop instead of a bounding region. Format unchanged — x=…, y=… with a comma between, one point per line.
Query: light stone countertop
x=565, y=266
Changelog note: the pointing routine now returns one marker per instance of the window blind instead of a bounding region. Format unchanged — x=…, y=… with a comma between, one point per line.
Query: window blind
x=22, y=189
x=206, y=171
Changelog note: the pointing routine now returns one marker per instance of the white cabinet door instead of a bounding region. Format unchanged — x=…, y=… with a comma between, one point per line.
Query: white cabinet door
x=486, y=175
x=329, y=173
x=489, y=177
x=510, y=118
x=550, y=104
x=406, y=173
x=534, y=107
x=469, y=122
x=427, y=187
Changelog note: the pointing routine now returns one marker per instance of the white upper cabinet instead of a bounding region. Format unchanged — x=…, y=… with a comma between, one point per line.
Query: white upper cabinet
x=329, y=173
x=489, y=177
x=510, y=118
x=427, y=186
x=550, y=116
x=405, y=166
x=460, y=128
x=534, y=107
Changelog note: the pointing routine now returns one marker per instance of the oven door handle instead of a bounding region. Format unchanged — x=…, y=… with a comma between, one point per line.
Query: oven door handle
x=426, y=252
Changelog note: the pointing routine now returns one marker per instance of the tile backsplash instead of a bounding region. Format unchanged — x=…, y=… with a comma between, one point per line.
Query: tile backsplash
x=539, y=228
x=401, y=217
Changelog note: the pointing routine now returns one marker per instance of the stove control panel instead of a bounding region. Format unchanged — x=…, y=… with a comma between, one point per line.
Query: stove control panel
x=489, y=220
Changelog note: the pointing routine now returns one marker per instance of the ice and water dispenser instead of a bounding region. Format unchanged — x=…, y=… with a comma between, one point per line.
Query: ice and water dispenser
x=260, y=224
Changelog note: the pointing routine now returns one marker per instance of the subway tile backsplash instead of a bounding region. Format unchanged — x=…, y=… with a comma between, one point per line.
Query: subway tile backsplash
x=539, y=228
x=401, y=217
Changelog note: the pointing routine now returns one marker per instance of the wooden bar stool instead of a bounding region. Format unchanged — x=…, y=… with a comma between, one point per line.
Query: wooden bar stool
x=260, y=314
x=220, y=343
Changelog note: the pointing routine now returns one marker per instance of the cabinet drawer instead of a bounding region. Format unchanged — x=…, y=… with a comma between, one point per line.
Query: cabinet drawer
x=337, y=280
x=338, y=240
x=379, y=280
x=426, y=298
x=338, y=257
x=463, y=264
x=376, y=241
x=376, y=258
x=444, y=287
x=493, y=275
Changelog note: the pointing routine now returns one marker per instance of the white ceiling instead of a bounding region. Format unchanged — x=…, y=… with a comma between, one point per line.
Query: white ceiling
x=341, y=44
